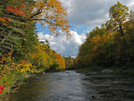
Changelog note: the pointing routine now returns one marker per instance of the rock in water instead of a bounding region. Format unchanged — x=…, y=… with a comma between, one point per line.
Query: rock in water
x=94, y=73
x=88, y=74
x=93, y=96
x=106, y=71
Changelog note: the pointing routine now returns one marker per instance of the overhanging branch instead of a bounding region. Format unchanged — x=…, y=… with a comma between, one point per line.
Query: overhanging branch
x=48, y=22
x=38, y=12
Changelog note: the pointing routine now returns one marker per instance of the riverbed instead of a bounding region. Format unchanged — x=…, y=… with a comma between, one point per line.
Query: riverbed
x=72, y=86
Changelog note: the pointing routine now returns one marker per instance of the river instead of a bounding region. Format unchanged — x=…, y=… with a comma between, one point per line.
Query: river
x=72, y=86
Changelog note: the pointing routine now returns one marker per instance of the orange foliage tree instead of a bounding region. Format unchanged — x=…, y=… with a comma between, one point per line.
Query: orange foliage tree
x=52, y=14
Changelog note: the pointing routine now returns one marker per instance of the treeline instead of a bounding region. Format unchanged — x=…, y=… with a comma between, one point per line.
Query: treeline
x=112, y=44
x=46, y=59
x=69, y=62
x=20, y=50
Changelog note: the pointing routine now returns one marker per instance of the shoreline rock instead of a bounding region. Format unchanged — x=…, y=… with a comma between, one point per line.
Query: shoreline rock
x=91, y=73
x=27, y=76
x=107, y=71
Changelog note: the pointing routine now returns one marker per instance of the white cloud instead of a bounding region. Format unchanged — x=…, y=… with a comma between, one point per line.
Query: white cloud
x=88, y=31
x=91, y=12
x=40, y=35
x=63, y=46
x=131, y=4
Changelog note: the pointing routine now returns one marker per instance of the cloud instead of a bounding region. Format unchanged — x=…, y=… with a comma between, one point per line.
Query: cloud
x=40, y=36
x=63, y=46
x=91, y=12
x=88, y=31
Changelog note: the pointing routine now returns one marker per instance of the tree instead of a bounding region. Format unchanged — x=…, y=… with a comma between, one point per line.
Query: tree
x=39, y=56
x=11, y=23
x=52, y=14
x=118, y=14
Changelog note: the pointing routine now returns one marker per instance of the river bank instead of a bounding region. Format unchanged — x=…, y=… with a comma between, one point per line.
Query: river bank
x=15, y=80
x=14, y=85
x=99, y=69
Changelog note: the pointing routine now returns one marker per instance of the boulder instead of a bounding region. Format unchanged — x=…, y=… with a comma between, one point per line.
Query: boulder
x=28, y=76
x=94, y=73
x=107, y=71
x=88, y=74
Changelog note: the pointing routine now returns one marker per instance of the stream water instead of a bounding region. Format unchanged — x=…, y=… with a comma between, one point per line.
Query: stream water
x=72, y=86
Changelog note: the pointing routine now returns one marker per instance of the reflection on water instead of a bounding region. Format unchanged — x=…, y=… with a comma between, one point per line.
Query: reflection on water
x=72, y=86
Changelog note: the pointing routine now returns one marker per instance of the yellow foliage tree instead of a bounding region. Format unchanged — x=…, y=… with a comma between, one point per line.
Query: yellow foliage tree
x=50, y=13
x=39, y=55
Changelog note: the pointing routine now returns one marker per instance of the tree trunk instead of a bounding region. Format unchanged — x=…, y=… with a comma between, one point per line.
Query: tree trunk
x=125, y=42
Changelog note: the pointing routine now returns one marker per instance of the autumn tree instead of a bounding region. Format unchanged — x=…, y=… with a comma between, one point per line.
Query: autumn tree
x=46, y=59
x=39, y=56
x=52, y=14
x=129, y=36
x=13, y=28
x=96, y=50
x=118, y=14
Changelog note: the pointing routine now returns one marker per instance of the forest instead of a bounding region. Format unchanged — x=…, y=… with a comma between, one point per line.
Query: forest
x=112, y=44
x=21, y=52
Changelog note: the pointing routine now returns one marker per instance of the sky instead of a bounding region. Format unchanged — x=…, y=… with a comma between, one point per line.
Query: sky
x=83, y=16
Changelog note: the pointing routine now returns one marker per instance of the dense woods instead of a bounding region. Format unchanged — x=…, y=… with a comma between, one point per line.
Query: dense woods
x=20, y=50
x=112, y=44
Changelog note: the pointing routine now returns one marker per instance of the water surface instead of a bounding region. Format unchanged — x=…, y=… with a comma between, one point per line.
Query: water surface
x=72, y=86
